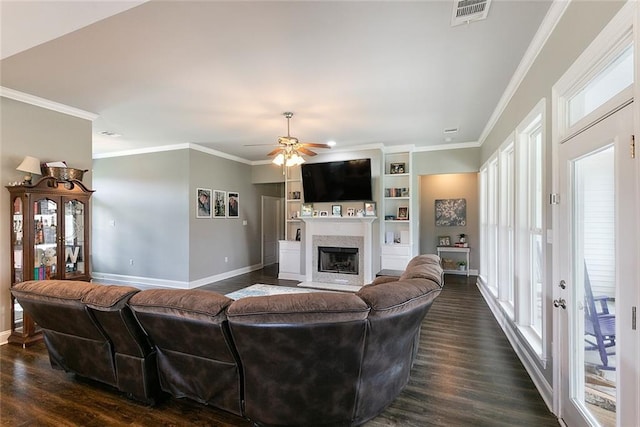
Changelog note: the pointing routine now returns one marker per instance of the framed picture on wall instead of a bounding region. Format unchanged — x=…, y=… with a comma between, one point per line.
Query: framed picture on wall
x=451, y=212
x=233, y=204
x=203, y=203
x=219, y=204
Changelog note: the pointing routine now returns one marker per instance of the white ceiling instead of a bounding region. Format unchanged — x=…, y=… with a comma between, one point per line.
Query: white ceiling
x=220, y=74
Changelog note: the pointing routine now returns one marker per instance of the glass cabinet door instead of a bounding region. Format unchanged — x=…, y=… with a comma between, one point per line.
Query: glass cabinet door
x=17, y=237
x=45, y=236
x=74, y=238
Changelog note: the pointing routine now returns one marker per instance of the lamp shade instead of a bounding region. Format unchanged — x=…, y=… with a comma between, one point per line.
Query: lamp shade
x=30, y=165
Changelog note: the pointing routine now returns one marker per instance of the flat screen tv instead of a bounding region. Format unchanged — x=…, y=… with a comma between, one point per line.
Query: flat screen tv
x=348, y=180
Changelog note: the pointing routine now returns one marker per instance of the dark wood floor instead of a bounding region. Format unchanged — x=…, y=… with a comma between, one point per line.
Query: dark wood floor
x=466, y=374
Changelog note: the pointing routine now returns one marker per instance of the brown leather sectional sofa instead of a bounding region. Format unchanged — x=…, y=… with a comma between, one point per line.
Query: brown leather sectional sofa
x=307, y=359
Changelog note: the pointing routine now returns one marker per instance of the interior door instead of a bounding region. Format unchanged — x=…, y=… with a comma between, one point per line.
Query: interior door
x=271, y=220
x=597, y=271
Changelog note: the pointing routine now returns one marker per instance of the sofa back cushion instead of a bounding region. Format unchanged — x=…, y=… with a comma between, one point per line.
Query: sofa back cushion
x=301, y=356
x=75, y=341
x=397, y=311
x=195, y=355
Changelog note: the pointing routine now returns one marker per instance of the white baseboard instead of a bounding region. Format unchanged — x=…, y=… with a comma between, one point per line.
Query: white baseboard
x=292, y=276
x=150, y=282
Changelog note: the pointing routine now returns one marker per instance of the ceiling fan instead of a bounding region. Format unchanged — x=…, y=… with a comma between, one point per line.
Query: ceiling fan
x=290, y=148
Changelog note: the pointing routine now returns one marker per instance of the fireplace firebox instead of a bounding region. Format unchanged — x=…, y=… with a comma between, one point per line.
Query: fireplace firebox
x=338, y=260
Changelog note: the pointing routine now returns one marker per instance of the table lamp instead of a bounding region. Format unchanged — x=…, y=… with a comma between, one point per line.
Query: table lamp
x=31, y=165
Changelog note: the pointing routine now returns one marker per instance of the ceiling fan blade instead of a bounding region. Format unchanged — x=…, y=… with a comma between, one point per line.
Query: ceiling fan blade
x=315, y=145
x=305, y=151
x=276, y=151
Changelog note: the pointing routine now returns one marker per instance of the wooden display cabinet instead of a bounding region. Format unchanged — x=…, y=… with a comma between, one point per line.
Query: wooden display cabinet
x=50, y=229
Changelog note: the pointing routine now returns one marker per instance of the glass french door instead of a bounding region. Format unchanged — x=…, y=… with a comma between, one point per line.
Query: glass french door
x=598, y=275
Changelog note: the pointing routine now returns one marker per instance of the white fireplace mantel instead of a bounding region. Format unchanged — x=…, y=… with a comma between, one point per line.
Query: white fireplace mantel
x=339, y=226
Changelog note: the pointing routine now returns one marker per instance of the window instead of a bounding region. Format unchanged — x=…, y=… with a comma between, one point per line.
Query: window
x=512, y=224
x=615, y=77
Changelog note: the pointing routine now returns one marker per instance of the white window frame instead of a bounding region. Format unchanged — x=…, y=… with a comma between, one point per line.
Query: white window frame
x=530, y=195
x=506, y=230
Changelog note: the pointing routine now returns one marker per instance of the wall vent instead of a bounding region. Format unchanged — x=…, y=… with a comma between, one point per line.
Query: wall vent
x=465, y=11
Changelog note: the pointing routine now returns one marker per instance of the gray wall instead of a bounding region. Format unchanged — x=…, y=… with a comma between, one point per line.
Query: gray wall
x=27, y=130
x=140, y=213
x=145, y=211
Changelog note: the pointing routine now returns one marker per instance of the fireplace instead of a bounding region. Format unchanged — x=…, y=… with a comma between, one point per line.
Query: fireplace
x=338, y=260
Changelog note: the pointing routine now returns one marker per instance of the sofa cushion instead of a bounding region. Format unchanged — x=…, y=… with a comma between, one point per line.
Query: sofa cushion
x=423, y=259
x=424, y=271
x=189, y=303
x=383, y=279
x=315, y=307
x=59, y=289
x=105, y=297
x=399, y=296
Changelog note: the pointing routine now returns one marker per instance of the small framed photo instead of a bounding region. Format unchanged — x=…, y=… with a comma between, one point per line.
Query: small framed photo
x=219, y=204
x=351, y=211
x=233, y=202
x=298, y=235
x=336, y=210
x=444, y=241
x=403, y=213
x=396, y=168
x=324, y=213
x=369, y=208
x=203, y=203
x=306, y=209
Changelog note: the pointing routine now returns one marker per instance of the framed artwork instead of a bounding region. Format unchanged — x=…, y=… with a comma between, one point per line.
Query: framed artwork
x=306, y=209
x=336, y=210
x=403, y=213
x=219, y=204
x=233, y=204
x=444, y=241
x=396, y=168
x=203, y=203
x=369, y=208
x=351, y=211
x=451, y=212
x=324, y=213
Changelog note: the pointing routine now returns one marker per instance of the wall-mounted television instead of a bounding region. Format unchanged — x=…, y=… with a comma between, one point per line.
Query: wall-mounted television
x=347, y=180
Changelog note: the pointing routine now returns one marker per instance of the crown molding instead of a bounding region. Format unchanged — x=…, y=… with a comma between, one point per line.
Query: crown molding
x=174, y=147
x=441, y=147
x=549, y=23
x=45, y=103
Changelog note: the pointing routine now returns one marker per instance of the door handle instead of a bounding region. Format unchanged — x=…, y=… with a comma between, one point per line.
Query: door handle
x=560, y=303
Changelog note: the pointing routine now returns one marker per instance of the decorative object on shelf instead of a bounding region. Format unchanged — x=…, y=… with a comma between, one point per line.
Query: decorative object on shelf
x=451, y=212
x=462, y=265
x=360, y=213
x=396, y=168
x=233, y=203
x=369, y=208
x=294, y=195
x=444, y=241
x=298, y=235
x=31, y=166
x=324, y=213
x=219, y=204
x=61, y=172
x=396, y=192
x=390, y=217
x=203, y=203
x=351, y=212
x=316, y=212
x=336, y=210
x=290, y=150
x=403, y=213
x=306, y=209
x=462, y=237
x=462, y=241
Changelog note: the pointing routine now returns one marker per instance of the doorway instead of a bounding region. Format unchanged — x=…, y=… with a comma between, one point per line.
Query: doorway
x=271, y=228
x=596, y=286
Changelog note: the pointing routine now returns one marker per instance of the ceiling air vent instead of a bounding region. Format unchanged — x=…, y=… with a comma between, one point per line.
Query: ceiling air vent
x=465, y=11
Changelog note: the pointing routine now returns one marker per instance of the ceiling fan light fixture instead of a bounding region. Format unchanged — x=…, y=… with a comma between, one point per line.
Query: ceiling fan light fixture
x=279, y=159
